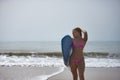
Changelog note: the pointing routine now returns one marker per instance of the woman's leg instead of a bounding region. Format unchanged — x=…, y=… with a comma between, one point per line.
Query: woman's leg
x=81, y=76
x=81, y=69
x=74, y=71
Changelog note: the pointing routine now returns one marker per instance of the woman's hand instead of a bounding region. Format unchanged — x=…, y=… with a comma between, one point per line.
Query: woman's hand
x=84, y=31
x=85, y=35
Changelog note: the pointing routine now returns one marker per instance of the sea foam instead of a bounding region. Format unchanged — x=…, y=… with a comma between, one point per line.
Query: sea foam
x=54, y=61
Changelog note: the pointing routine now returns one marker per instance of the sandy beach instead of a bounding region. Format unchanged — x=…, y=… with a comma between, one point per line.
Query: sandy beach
x=91, y=74
x=27, y=72
x=55, y=73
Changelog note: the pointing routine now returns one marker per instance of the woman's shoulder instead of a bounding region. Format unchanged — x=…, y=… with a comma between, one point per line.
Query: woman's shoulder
x=73, y=39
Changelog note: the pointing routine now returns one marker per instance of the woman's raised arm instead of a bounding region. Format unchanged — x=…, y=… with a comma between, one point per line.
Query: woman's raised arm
x=85, y=35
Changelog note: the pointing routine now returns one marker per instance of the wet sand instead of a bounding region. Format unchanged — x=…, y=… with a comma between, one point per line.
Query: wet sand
x=91, y=74
x=49, y=73
x=26, y=72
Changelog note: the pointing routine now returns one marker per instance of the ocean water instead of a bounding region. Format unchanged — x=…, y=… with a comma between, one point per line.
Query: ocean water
x=103, y=46
x=38, y=46
x=55, y=46
x=111, y=48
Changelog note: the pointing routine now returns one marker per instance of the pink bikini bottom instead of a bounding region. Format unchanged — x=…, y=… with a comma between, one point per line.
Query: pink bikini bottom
x=78, y=60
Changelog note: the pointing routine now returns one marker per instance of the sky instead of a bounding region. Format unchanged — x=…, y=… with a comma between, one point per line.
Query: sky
x=50, y=20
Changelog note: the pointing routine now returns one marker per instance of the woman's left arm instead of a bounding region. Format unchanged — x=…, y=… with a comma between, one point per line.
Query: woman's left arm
x=85, y=35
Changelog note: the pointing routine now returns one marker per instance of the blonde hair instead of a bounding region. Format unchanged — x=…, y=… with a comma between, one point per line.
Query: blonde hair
x=78, y=30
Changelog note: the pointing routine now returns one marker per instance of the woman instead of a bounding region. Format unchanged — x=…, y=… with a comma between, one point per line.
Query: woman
x=77, y=61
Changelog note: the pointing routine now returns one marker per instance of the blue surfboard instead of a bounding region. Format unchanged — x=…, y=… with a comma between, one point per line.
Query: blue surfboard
x=66, y=45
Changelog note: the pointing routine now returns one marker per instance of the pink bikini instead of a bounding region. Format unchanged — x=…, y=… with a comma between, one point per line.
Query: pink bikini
x=81, y=46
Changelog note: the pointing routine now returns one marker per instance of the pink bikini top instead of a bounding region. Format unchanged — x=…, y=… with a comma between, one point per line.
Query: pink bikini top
x=78, y=45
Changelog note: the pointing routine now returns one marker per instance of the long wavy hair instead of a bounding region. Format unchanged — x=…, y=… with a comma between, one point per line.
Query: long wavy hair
x=78, y=30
